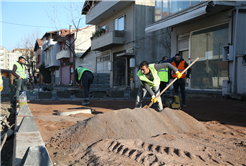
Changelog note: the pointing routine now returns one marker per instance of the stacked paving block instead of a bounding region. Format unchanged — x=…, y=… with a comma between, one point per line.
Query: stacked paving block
x=100, y=85
x=29, y=148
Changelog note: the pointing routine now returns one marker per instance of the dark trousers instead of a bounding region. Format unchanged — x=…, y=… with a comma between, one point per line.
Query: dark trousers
x=162, y=87
x=86, y=81
x=180, y=83
x=20, y=83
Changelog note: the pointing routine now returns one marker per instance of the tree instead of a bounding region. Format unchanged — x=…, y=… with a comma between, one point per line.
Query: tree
x=166, y=40
x=74, y=17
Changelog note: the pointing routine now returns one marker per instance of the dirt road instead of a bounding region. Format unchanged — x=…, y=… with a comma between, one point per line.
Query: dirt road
x=224, y=119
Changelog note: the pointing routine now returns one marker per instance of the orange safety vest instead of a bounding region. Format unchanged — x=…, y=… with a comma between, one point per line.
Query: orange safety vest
x=181, y=68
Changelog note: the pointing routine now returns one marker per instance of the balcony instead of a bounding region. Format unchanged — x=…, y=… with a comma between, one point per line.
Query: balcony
x=108, y=40
x=62, y=54
x=48, y=44
x=104, y=10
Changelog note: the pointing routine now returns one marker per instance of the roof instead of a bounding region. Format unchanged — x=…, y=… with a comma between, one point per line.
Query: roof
x=66, y=32
x=85, y=53
x=86, y=7
x=49, y=33
x=38, y=43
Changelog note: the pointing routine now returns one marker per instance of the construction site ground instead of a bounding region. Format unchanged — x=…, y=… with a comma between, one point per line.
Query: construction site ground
x=223, y=143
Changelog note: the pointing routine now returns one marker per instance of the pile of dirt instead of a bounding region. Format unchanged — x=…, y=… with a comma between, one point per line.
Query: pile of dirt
x=125, y=124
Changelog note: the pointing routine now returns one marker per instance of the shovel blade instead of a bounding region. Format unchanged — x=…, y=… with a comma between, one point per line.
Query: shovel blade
x=146, y=106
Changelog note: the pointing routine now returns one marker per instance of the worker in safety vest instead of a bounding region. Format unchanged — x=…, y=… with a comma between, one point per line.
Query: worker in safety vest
x=20, y=76
x=181, y=65
x=84, y=77
x=150, y=82
x=164, y=75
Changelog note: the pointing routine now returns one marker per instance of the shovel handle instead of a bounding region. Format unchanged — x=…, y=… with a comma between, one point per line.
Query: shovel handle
x=150, y=104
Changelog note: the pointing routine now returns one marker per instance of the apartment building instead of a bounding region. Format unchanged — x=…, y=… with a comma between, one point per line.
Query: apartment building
x=120, y=41
x=73, y=43
x=50, y=48
x=3, y=58
x=215, y=32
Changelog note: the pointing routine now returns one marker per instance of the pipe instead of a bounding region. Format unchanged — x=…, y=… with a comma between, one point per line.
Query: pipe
x=234, y=90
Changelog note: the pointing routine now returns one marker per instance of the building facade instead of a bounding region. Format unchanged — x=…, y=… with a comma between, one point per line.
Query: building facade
x=40, y=58
x=50, y=48
x=73, y=43
x=215, y=32
x=3, y=58
x=120, y=41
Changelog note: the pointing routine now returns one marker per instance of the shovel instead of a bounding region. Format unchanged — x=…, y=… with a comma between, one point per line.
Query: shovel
x=150, y=104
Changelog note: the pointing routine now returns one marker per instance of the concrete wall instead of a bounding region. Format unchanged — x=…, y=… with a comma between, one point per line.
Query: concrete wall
x=89, y=61
x=83, y=41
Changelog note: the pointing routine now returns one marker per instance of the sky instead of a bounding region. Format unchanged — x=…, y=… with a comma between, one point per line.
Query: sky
x=20, y=19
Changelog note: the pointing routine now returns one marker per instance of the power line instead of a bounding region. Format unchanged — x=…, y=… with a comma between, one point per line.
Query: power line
x=25, y=25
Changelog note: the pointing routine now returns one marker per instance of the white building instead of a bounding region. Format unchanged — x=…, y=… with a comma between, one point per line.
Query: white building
x=3, y=58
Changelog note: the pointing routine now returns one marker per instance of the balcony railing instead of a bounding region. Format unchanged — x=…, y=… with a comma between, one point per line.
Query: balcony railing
x=62, y=54
x=108, y=40
x=105, y=9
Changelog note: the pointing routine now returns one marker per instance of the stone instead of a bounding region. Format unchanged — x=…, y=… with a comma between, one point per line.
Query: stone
x=28, y=125
x=45, y=95
x=79, y=94
x=24, y=110
x=117, y=94
x=36, y=155
x=63, y=94
x=98, y=94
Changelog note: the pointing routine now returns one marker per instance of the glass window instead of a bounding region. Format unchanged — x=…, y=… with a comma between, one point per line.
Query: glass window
x=167, y=7
x=210, y=71
x=158, y=10
x=176, y=6
x=119, y=23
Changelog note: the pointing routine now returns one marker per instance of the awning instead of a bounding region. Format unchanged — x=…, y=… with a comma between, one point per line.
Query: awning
x=125, y=54
x=179, y=19
x=202, y=9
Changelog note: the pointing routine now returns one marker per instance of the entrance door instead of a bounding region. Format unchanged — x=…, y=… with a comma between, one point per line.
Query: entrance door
x=119, y=71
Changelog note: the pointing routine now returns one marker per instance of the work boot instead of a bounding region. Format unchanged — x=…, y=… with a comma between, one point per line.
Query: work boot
x=86, y=102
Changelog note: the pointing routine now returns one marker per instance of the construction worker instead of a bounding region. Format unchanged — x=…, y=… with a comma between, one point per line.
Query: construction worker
x=181, y=65
x=84, y=77
x=163, y=74
x=20, y=76
x=150, y=82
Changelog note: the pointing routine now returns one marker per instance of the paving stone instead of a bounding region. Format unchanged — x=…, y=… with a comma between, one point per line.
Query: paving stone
x=22, y=142
x=63, y=94
x=99, y=94
x=36, y=155
x=79, y=94
x=24, y=110
x=116, y=94
x=45, y=95
x=134, y=93
x=28, y=125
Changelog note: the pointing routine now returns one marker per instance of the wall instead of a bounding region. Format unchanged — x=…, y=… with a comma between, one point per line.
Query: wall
x=147, y=45
x=83, y=41
x=89, y=61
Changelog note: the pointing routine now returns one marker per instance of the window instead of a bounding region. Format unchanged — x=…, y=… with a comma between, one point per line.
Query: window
x=210, y=70
x=167, y=7
x=119, y=23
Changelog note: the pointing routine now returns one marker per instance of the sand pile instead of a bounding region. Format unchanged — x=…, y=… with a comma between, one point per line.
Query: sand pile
x=125, y=124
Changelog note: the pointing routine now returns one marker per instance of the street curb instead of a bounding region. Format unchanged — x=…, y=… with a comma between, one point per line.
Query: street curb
x=28, y=140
